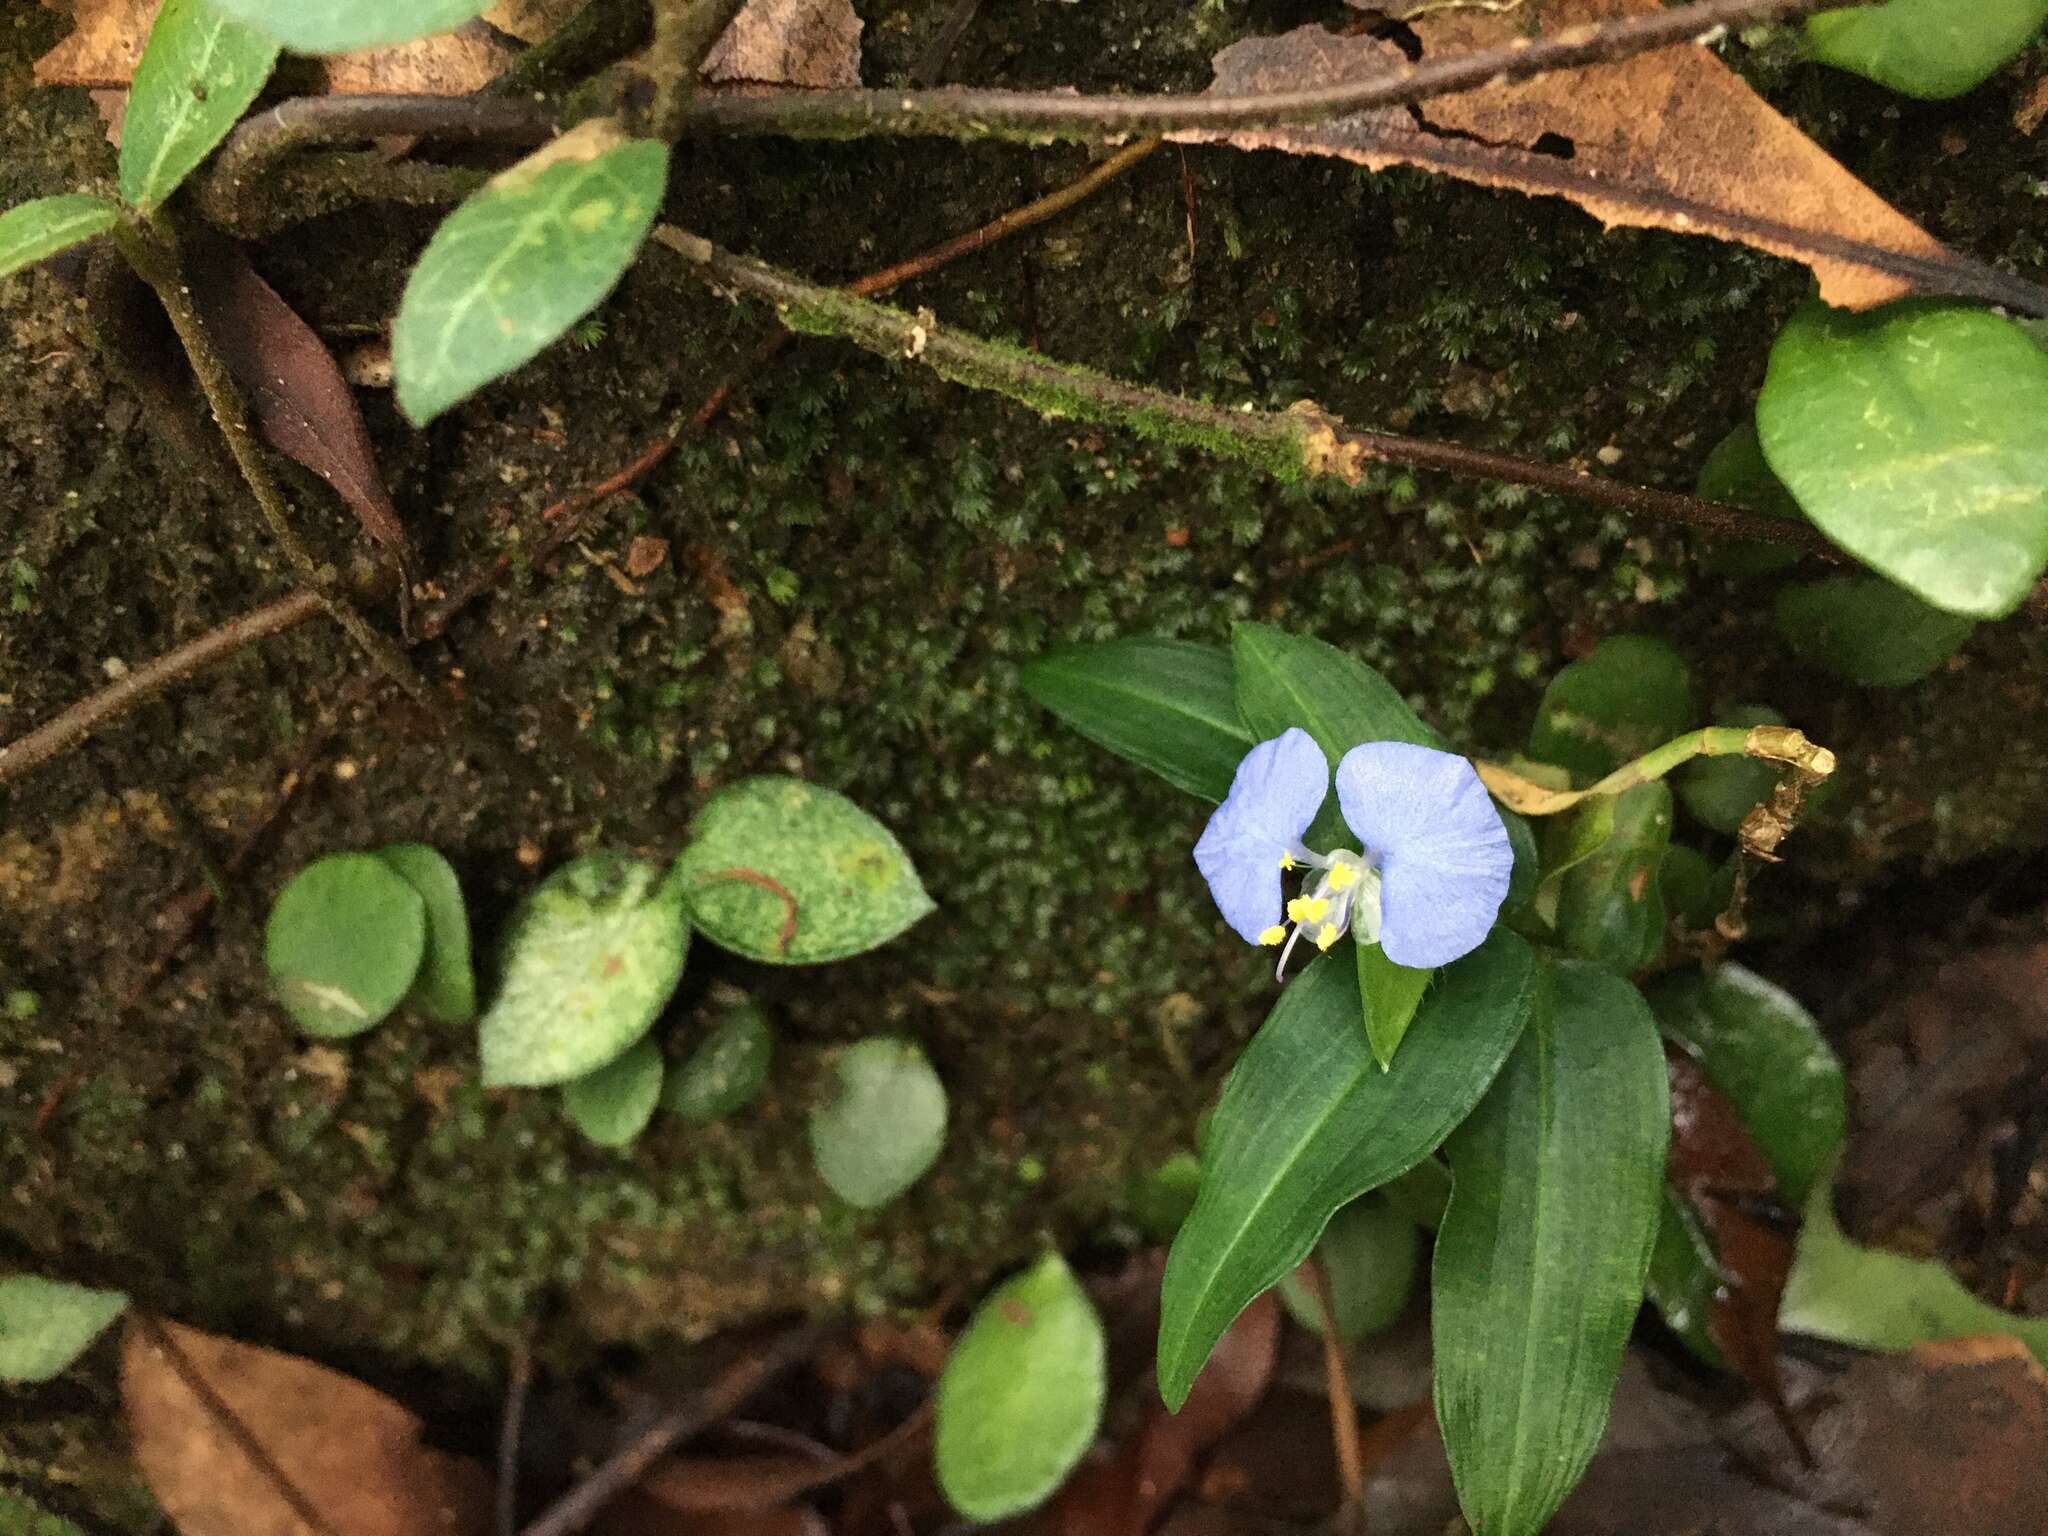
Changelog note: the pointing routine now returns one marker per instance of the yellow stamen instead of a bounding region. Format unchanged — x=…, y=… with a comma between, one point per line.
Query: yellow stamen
x=1309, y=909
x=1274, y=935
x=1343, y=876
x=1287, y=861
x=1326, y=938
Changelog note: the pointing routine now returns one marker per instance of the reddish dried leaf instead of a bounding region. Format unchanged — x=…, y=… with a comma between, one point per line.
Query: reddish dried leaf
x=351, y=1452
x=302, y=403
x=814, y=43
x=105, y=41
x=634, y=1513
x=454, y=63
x=1671, y=140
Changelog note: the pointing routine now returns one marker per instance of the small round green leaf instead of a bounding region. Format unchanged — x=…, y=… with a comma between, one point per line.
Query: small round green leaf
x=42, y=228
x=885, y=1129
x=793, y=874
x=1720, y=791
x=1737, y=475
x=1912, y=436
x=523, y=260
x=47, y=1324
x=445, y=989
x=1159, y=1201
x=344, y=943
x=1633, y=693
x=728, y=1069
x=198, y=74
x=1368, y=1254
x=1865, y=630
x=1932, y=49
x=343, y=26
x=593, y=956
x=613, y=1104
x=1021, y=1395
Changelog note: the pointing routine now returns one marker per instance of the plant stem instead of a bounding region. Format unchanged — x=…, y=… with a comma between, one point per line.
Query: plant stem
x=155, y=260
x=685, y=32
x=1768, y=743
x=1042, y=116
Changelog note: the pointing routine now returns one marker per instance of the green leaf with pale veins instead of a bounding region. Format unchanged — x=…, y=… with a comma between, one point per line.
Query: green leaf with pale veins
x=1556, y=1184
x=1166, y=705
x=1912, y=436
x=40, y=229
x=198, y=74
x=1610, y=905
x=1021, y=1395
x=343, y=26
x=1932, y=49
x=885, y=1127
x=1309, y=1121
x=1865, y=630
x=343, y=943
x=47, y=1324
x=592, y=958
x=523, y=260
x=1633, y=693
x=613, y=1104
x=793, y=874
x=445, y=988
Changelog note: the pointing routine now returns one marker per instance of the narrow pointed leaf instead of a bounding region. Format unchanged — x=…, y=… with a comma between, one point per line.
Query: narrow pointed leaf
x=198, y=74
x=1310, y=1121
x=1556, y=1184
x=344, y=26
x=1167, y=705
x=1389, y=994
x=1286, y=680
x=42, y=228
x=47, y=1324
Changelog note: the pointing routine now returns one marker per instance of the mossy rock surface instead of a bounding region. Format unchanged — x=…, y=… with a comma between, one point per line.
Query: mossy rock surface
x=860, y=558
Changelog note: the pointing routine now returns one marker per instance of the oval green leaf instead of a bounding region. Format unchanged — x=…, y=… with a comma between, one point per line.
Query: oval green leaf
x=885, y=1128
x=1912, y=436
x=592, y=958
x=1368, y=1256
x=445, y=989
x=1737, y=475
x=1021, y=1395
x=42, y=228
x=343, y=26
x=1556, y=1184
x=1159, y=1201
x=1309, y=1121
x=344, y=943
x=1610, y=905
x=794, y=874
x=1633, y=693
x=1166, y=705
x=198, y=74
x=612, y=1105
x=520, y=262
x=728, y=1069
x=1720, y=791
x=1932, y=49
x=47, y=1324
x=1866, y=631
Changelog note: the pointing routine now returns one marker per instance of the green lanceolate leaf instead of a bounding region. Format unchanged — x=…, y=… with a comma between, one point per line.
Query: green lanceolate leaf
x=1166, y=705
x=1720, y=791
x=47, y=1324
x=1737, y=474
x=197, y=75
x=729, y=1068
x=1912, y=436
x=343, y=26
x=1389, y=994
x=1367, y=1254
x=48, y=225
x=523, y=260
x=1287, y=680
x=1021, y=1395
x=1610, y=906
x=1556, y=1182
x=613, y=1104
x=1866, y=630
x=592, y=957
x=344, y=943
x=886, y=1126
x=794, y=874
x=1309, y=1121
x=1633, y=693
x=445, y=988
x=1932, y=49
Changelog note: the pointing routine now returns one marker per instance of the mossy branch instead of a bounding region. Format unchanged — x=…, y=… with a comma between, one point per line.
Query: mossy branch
x=685, y=32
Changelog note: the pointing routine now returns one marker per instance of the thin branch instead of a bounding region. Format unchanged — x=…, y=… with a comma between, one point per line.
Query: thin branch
x=582, y=1504
x=511, y=1427
x=1038, y=117
x=685, y=32
x=1343, y=1406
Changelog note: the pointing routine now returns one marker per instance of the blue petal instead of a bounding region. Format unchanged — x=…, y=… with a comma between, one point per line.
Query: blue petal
x=1278, y=789
x=1443, y=854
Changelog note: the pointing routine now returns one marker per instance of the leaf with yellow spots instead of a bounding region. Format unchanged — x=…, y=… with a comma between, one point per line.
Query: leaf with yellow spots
x=522, y=261
x=794, y=874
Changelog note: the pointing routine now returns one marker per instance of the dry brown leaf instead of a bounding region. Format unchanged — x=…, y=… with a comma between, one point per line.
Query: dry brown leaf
x=351, y=1452
x=1671, y=140
x=813, y=43
x=105, y=41
x=530, y=20
x=456, y=63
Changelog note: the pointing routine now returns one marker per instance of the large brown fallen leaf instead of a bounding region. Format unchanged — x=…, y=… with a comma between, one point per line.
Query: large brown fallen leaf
x=1671, y=140
x=813, y=43
x=350, y=1453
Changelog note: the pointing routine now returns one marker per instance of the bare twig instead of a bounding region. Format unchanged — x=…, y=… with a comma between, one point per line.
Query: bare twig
x=577, y=1508
x=1343, y=1407
x=510, y=1428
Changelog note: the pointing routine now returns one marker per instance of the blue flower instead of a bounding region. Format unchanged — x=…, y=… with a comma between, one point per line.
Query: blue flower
x=1427, y=886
